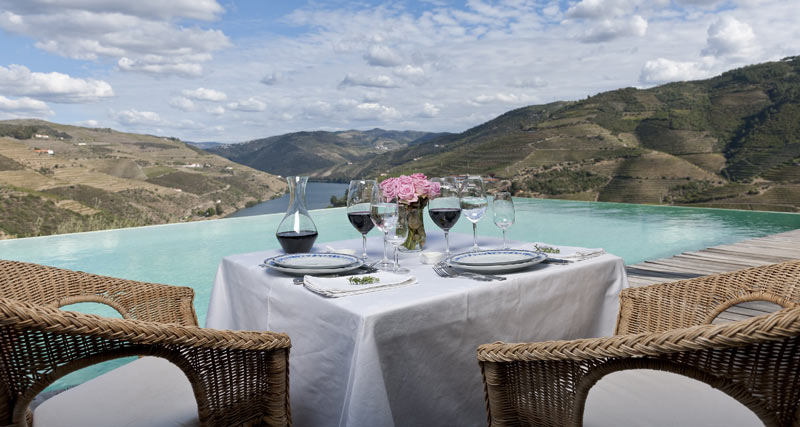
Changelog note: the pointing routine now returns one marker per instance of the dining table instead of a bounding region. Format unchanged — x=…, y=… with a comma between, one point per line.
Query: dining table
x=406, y=355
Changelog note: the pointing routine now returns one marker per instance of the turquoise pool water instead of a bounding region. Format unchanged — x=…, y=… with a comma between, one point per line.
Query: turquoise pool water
x=188, y=254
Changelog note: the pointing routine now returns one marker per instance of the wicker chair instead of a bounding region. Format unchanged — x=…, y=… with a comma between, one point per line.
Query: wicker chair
x=665, y=327
x=238, y=377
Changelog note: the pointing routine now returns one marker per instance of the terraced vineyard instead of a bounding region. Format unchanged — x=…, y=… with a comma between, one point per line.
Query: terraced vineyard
x=78, y=179
x=735, y=138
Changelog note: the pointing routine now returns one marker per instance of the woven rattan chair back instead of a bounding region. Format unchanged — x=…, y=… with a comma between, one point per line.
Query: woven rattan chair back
x=238, y=377
x=666, y=326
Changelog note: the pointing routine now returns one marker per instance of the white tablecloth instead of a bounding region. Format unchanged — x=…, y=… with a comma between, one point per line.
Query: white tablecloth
x=406, y=356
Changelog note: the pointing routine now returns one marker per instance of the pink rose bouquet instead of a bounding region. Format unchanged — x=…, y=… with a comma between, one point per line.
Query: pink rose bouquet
x=412, y=192
x=410, y=188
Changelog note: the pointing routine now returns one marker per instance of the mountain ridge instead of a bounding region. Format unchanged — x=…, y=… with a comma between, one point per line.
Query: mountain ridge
x=319, y=154
x=730, y=141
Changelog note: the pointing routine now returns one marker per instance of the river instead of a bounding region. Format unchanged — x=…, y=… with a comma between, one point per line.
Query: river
x=318, y=196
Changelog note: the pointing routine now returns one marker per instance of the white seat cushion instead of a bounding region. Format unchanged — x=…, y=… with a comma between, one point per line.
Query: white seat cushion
x=146, y=392
x=645, y=397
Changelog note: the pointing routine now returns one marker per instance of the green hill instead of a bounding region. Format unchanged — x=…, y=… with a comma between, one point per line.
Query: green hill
x=319, y=154
x=730, y=141
x=58, y=179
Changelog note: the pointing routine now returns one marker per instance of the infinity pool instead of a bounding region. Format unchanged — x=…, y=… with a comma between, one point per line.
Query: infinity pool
x=188, y=253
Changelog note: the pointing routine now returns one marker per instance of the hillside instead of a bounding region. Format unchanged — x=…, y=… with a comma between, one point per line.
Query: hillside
x=58, y=179
x=321, y=155
x=731, y=141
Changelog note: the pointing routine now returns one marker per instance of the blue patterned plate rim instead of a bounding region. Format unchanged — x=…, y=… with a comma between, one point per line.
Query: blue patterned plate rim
x=494, y=257
x=315, y=261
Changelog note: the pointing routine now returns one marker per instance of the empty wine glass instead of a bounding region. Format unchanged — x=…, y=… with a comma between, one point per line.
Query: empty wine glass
x=503, y=211
x=396, y=235
x=473, y=204
x=384, y=214
x=445, y=209
x=359, y=197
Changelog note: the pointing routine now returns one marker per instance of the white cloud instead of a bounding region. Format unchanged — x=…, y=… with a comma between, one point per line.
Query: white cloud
x=382, y=80
x=182, y=103
x=216, y=110
x=508, y=98
x=382, y=56
x=663, y=70
x=248, y=105
x=206, y=10
x=185, y=69
x=594, y=9
x=140, y=37
x=729, y=37
x=375, y=111
x=24, y=105
x=138, y=118
x=91, y=123
x=55, y=87
x=203, y=94
x=612, y=29
x=411, y=73
x=429, y=110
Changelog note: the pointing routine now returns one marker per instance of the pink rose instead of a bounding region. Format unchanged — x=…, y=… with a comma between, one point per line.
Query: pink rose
x=435, y=189
x=405, y=191
x=389, y=188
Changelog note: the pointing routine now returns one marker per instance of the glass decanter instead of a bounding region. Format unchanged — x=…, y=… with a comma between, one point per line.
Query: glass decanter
x=297, y=232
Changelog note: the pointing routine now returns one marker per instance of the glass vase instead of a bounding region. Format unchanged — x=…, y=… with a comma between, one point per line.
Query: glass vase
x=412, y=216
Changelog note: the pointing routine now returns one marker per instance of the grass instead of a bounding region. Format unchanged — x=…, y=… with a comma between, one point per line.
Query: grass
x=7, y=164
x=193, y=183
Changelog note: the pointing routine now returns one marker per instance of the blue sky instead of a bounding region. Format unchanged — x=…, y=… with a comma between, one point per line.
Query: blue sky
x=226, y=70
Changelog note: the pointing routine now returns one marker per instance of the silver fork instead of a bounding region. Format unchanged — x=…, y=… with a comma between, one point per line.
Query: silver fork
x=444, y=270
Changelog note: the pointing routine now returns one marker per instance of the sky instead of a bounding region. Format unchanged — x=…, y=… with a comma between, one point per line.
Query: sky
x=230, y=71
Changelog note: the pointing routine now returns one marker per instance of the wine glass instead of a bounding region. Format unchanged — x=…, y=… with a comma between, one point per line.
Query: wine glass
x=396, y=235
x=359, y=197
x=473, y=204
x=445, y=209
x=384, y=214
x=503, y=210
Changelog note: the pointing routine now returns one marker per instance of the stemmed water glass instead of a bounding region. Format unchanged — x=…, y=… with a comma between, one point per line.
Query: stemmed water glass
x=384, y=214
x=445, y=209
x=503, y=211
x=473, y=204
x=359, y=197
x=396, y=235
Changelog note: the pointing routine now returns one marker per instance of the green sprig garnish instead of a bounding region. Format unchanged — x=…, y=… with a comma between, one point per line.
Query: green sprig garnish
x=547, y=249
x=364, y=280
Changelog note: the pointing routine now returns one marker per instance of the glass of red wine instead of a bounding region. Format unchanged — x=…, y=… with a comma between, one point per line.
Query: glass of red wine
x=445, y=209
x=359, y=198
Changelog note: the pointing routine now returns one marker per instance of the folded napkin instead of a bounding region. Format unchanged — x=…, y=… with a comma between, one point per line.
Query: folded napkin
x=335, y=287
x=572, y=253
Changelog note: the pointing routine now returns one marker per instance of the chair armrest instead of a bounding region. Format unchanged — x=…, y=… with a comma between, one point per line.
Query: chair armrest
x=237, y=376
x=546, y=383
x=697, y=301
x=57, y=287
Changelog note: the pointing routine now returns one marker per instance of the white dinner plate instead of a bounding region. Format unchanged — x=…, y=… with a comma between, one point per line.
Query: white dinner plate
x=503, y=268
x=494, y=257
x=303, y=271
x=316, y=261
